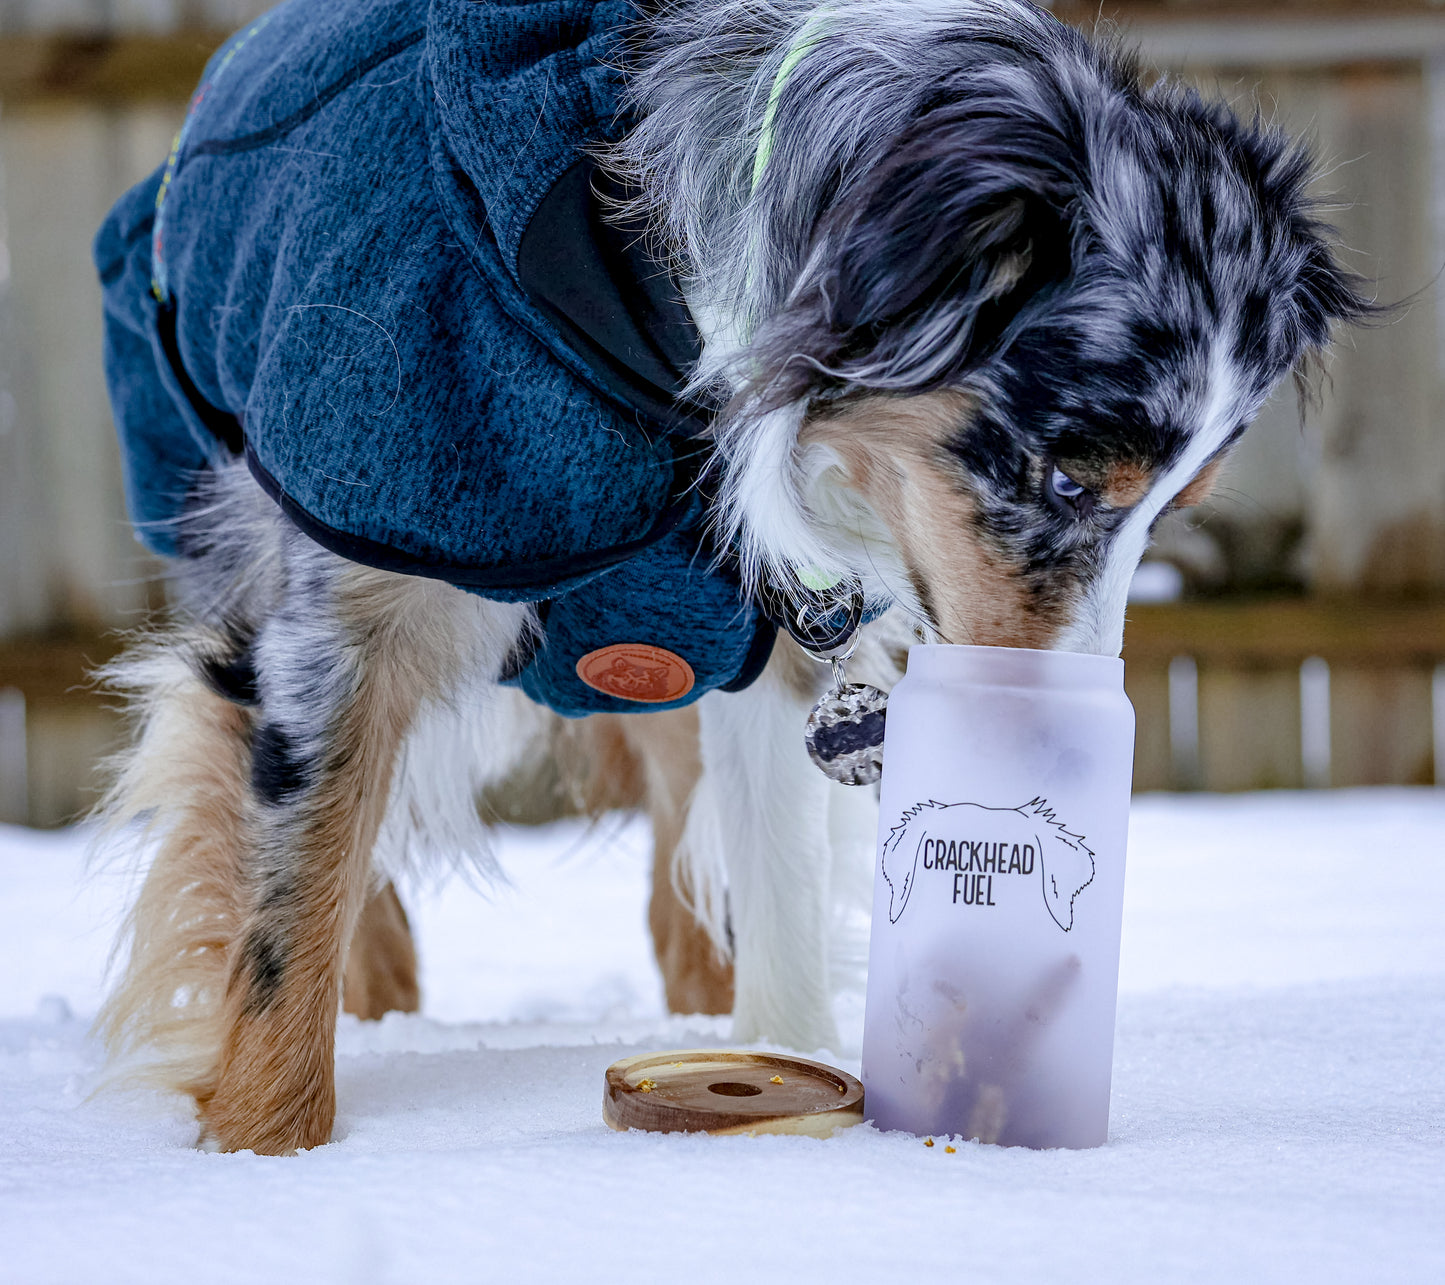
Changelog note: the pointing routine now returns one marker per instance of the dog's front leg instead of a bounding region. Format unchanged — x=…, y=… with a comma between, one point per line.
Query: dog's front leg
x=771, y=807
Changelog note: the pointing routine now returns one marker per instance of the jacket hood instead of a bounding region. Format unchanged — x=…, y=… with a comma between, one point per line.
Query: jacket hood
x=533, y=80
x=519, y=93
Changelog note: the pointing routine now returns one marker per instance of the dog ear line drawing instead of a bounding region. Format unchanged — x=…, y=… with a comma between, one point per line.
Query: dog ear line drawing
x=1066, y=862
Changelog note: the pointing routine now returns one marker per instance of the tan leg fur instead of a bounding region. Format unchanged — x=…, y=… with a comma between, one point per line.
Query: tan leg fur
x=380, y=973
x=651, y=760
x=275, y=1088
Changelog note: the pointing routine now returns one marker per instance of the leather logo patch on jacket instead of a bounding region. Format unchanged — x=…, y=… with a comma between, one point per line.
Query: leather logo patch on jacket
x=636, y=672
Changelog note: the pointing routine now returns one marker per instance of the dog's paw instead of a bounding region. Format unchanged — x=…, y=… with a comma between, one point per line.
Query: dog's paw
x=228, y=1130
x=272, y=1106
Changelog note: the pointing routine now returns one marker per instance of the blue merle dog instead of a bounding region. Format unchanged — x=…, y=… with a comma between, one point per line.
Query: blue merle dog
x=956, y=308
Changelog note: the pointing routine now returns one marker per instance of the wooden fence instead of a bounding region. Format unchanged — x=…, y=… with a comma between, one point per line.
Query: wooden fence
x=1280, y=678
x=1287, y=693
x=1228, y=696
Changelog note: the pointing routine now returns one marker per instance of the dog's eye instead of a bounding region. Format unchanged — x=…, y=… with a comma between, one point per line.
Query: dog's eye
x=1064, y=492
x=1064, y=485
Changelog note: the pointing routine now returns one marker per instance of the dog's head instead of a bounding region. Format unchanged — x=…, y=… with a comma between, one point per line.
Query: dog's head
x=1012, y=321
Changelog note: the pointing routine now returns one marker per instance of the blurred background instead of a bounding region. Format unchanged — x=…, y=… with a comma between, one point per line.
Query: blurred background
x=1290, y=633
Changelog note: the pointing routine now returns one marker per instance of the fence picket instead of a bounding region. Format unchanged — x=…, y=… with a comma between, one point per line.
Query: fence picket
x=1147, y=686
x=1381, y=725
x=1249, y=728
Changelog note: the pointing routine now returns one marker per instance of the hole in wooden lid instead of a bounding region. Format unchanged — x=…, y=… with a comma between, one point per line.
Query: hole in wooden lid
x=733, y=1089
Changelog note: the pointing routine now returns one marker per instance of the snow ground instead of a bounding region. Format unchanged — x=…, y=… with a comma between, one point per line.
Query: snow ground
x=1279, y=1093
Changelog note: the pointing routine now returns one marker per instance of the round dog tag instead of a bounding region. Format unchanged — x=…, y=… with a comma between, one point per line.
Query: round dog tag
x=844, y=733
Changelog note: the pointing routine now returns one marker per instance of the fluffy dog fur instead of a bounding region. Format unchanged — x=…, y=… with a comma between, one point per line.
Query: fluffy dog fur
x=985, y=309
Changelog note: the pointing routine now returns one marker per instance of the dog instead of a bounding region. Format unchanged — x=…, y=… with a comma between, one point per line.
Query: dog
x=945, y=306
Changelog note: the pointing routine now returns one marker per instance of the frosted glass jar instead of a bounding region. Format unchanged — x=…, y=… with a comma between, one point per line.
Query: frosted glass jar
x=994, y=962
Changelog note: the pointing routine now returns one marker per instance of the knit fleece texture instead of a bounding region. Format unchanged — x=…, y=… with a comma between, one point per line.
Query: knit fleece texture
x=324, y=277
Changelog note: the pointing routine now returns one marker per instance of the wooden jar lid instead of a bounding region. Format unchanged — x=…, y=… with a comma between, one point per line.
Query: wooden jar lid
x=726, y=1091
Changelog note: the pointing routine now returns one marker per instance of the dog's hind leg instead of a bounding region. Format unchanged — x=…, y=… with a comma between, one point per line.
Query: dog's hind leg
x=381, y=961
x=767, y=805
x=696, y=974
x=649, y=761
x=343, y=668
x=274, y=709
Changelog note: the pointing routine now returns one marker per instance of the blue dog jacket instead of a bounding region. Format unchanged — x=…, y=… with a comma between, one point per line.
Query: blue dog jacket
x=373, y=266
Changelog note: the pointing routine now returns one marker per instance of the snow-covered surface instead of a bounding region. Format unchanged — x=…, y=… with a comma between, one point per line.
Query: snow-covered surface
x=1279, y=1094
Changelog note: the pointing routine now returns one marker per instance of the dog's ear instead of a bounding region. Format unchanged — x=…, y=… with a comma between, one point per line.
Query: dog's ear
x=1326, y=293
x=1318, y=292
x=952, y=219
x=933, y=253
